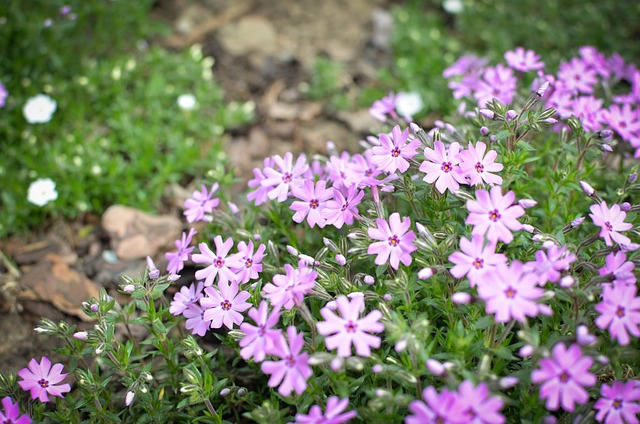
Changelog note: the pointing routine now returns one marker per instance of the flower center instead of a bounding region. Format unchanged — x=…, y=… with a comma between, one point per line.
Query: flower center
x=289, y=361
x=344, y=207
x=446, y=166
x=510, y=293
x=351, y=327
x=368, y=173
x=219, y=262
x=479, y=168
x=261, y=330
x=478, y=263
x=494, y=215
x=440, y=420
x=43, y=383
x=623, y=124
x=287, y=177
x=248, y=263
x=608, y=225
x=564, y=377
x=393, y=241
x=620, y=312
x=395, y=152
x=617, y=403
x=314, y=203
x=226, y=305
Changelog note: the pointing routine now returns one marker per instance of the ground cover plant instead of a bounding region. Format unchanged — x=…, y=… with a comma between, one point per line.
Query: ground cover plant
x=482, y=270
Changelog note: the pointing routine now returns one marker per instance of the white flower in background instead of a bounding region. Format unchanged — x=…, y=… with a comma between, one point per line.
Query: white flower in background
x=408, y=104
x=453, y=6
x=39, y=109
x=186, y=101
x=42, y=191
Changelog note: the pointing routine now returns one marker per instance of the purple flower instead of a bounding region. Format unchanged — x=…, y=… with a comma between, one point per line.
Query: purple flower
x=497, y=83
x=251, y=262
x=619, y=312
x=343, y=207
x=313, y=201
x=195, y=320
x=383, y=107
x=549, y=264
x=337, y=169
x=464, y=65
x=332, y=415
x=478, y=166
x=259, y=195
x=396, y=241
x=623, y=120
x=576, y=76
x=394, y=152
x=186, y=297
x=12, y=413
x=349, y=329
x=619, y=403
x=363, y=173
x=596, y=60
x=289, y=289
x=261, y=339
x=42, y=379
x=564, y=376
x=292, y=371
x=611, y=221
x=177, y=259
x=589, y=110
x=438, y=408
x=279, y=180
x=476, y=405
x=224, y=304
x=442, y=167
x=619, y=269
x=494, y=215
x=475, y=259
x=221, y=263
x=3, y=95
x=511, y=293
x=523, y=60
x=200, y=204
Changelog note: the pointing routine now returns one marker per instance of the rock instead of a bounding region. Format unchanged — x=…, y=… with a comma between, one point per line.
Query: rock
x=250, y=35
x=136, y=234
x=359, y=121
x=259, y=142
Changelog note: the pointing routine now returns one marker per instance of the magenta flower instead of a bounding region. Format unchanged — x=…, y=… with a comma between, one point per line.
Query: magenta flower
x=200, y=204
x=363, y=173
x=42, y=379
x=619, y=403
x=349, y=329
x=251, y=262
x=548, y=265
x=438, y=408
x=396, y=244
x=12, y=415
x=289, y=290
x=589, y=110
x=625, y=121
x=611, y=221
x=497, y=83
x=511, y=293
x=564, y=376
x=343, y=207
x=177, y=259
x=619, y=312
x=394, y=152
x=195, y=320
x=494, y=215
x=576, y=76
x=313, y=199
x=185, y=297
x=337, y=169
x=333, y=414
x=259, y=195
x=619, y=269
x=478, y=166
x=221, y=263
x=476, y=405
x=261, y=339
x=224, y=304
x=523, y=60
x=443, y=168
x=292, y=371
x=3, y=95
x=475, y=259
x=287, y=173
x=464, y=65
x=383, y=107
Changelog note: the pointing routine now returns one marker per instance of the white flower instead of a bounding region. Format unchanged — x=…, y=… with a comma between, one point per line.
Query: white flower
x=453, y=6
x=408, y=104
x=186, y=101
x=42, y=191
x=39, y=109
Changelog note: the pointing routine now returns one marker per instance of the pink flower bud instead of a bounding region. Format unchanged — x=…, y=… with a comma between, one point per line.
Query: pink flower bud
x=549, y=121
x=292, y=250
x=336, y=363
x=577, y=221
x=508, y=382
x=401, y=345
x=540, y=92
x=528, y=228
x=435, y=367
x=225, y=392
x=129, y=288
x=153, y=271
x=461, y=298
x=587, y=188
x=606, y=148
x=94, y=307
x=484, y=131
x=567, y=281
x=415, y=128
x=341, y=260
x=625, y=207
x=81, y=335
x=129, y=398
x=387, y=297
x=377, y=369
x=487, y=113
x=583, y=336
x=632, y=178
x=526, y=351
x=233, y=208
x=369, y=280
x=527, y=203
x=425, y=273
x=511, y=114
x=548, y=244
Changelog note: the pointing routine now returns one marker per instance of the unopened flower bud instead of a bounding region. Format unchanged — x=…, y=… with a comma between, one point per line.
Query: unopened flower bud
x=331, y=146
x=484, y=131
x=631, y=247
x=436, y=368
x=129, y=398
x=583, y=336
x=461, y=298
x=377, y=369
x=241, y=392
x=401, y=345
x=257, y=237
x=94, y=307
x=129, y=288
x=233, y=208
x=225, y=392
x=341, y=260
x=381, y=393
x=508, y=382
x=387, y=297
x=368, y=280
x=81, y=335
x=526, y=351
x=540, y=92
x=489, y=114
x=577, y=221
x=511, y=114
x=336, y=363
x=602, y=359
x=606, y=134
x=587, y=188
x=606, y=148
x=548, y=244
x=567, y=281
x=153, y=271
x=632, y=178
x=527, y=203
x=625, y=206
x=528, y=228
x=425, y=273
x=292, y=250
x=549, y=121
x=143, y=389
x=549, y=419
x=493, y=138
x=537, y=237
x=415, y=128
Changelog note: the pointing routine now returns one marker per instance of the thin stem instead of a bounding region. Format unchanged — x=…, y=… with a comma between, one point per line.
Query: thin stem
x=505, y=333
x=212, y=410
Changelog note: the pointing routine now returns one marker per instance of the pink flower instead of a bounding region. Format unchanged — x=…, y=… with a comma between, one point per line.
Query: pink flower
x=12, y=413
x=195, y=320
x=289, y=290
x=333, y=414
x=259, y=195
x=549, y=264
x=577, y=76
x=292, y=371
x=286, y=174
x=494, y=215
x=393, y=152
x=564, y=376
x=251, y=266
x=619, y=269
x=611, y=221
x=523, y=60
x=383, y=107
x=396, y=244
x=349, y=329
x=589, y=110
x=619, y=403
x=200, y=204
x=619, y=312
x=478, y=166
x=224, y=304
x=443, y=168
x=177, y=259
x=497, y=83
x=438, y=408
x=625, y=121
x=41, y=379
x=313, y=201
x=185, y=297
x=511, y=293
x=475, y=260
x=476, y=405
x=221, y=262
x=343, y=208
x=260, y=340
x=337, y=169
